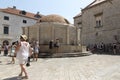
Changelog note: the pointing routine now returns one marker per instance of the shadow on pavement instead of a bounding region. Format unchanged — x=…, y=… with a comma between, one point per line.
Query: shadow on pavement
x=65, y=55
x=13, y=78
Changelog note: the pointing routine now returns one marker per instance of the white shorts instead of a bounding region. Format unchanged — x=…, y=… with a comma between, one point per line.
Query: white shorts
x=12, y=54
x=36, y=51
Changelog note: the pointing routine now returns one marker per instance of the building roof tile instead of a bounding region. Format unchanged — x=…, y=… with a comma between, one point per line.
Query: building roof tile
x=78, y=15
x=15, y=11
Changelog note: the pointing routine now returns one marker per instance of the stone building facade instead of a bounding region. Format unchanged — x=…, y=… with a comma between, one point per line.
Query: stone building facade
x=52, y=27
x=11, y=22
x=99, y=22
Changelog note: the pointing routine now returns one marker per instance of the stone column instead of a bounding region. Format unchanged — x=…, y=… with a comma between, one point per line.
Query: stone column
x=39, y=33
x=78, y=36
x=52, y=32
x=67, y=35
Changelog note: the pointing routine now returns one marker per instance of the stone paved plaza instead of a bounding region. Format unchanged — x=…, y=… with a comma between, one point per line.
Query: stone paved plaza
x=93, y=67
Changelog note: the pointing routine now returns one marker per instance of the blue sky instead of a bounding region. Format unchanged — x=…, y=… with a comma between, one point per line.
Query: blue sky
x=65, y=8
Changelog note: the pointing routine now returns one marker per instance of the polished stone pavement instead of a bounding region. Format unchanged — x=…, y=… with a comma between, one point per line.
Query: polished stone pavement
x=92, y=67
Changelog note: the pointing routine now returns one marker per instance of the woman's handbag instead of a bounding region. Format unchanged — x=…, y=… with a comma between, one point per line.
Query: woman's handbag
x=28, y=64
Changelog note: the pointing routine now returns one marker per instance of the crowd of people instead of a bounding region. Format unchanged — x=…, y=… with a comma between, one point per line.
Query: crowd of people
x=110, y=48
x=54, y=47
x=22, y=50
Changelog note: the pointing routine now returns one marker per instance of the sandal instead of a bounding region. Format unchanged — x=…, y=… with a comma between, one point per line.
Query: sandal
x=20, y=74
x=25, y=77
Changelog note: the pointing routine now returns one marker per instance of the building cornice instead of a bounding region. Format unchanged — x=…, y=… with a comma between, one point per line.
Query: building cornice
x=93, y=5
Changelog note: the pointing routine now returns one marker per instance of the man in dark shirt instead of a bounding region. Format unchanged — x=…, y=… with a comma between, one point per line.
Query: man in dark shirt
x=51, y=46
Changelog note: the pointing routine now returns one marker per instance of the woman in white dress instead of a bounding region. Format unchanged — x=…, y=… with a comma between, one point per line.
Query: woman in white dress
x=23, y=51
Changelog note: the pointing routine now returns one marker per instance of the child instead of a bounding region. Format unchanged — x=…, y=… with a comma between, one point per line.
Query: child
x=13, y=52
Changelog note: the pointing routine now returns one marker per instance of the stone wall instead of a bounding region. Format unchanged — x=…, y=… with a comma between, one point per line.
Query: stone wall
x=15, y=24
x=46, y=31
x=109, y=29
x=62, y=49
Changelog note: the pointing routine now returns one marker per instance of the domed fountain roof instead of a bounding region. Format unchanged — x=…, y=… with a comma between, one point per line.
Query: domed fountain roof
x=53, y=18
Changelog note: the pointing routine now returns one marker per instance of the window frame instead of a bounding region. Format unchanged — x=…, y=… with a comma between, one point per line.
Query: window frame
x=98, y=20
x=6, y=29
x=6, y=18
x=25, y=21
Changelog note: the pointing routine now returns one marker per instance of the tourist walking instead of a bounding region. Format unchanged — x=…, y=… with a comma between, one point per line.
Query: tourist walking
x=57, y=45
x=36, y=50
x=5, y=48
x=114, y=48
x=51, y=46
x=12, y=54
x=23, y=51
